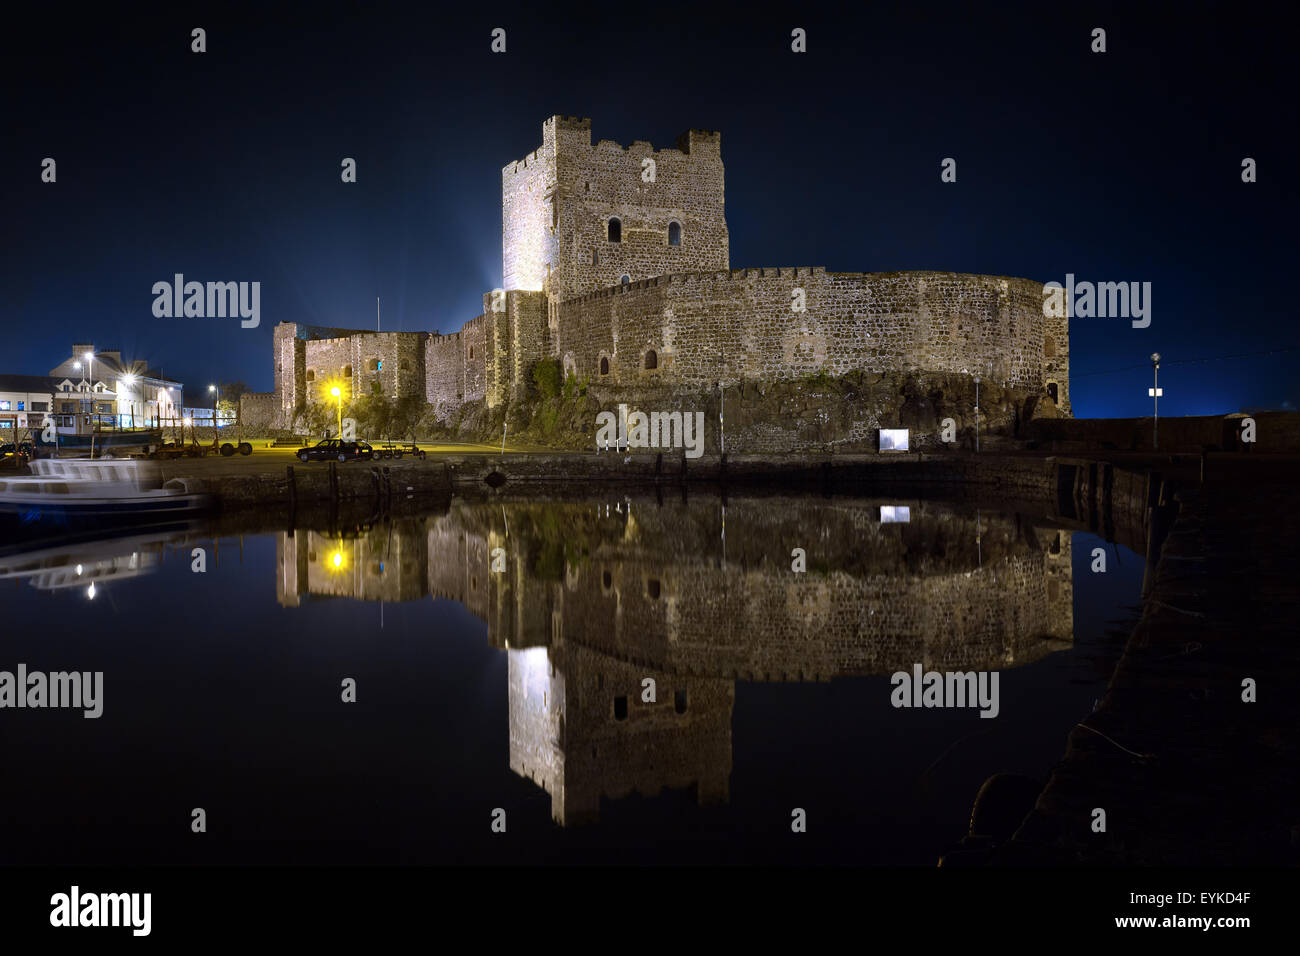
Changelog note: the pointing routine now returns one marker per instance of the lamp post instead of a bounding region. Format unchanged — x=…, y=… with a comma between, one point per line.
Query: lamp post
x=1155, y=391
x=977, y=413
x=77, y=366
x=90, y=376
x=338, y=393
x=128, y=381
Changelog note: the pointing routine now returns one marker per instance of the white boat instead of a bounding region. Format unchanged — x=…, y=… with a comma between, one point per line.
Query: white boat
x=63, y=489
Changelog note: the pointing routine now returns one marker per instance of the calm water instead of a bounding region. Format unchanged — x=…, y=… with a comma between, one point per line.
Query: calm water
x=499, y=652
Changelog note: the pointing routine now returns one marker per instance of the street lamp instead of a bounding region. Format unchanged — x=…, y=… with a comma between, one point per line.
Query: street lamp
x=1154, y=393
x=90, y=376
x=128, y=381
x=338, y=393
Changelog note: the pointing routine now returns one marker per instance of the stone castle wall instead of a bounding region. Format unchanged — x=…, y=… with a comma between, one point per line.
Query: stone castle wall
x=528, y=332
x=468, y=366
x=740, y=325
x=597, y=184
x=258, y=411
x=1056, y=347
x=290, y=370
x=558, y=201
x=444, y=373
x=391, y=362
x=704, y=323
x=290, y=343
x=528, y=212
x=474, y=352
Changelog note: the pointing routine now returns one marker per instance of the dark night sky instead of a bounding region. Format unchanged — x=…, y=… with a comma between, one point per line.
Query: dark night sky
x=225, y=166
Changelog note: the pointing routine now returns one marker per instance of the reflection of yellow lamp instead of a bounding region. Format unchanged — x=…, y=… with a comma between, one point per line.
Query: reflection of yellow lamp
x=338, y=559
x=338, y=393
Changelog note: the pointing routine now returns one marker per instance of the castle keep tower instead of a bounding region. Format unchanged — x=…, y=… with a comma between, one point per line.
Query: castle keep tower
x=576, y=218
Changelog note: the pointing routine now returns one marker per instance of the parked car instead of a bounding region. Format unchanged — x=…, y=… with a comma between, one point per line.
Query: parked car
x=22, y=449
x=334, y=449
x=397, y=449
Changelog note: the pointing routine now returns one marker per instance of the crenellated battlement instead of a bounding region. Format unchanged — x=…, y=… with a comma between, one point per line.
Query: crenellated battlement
x=682, y=150
x=569, y=122
x=793, y=273
x=695, y=140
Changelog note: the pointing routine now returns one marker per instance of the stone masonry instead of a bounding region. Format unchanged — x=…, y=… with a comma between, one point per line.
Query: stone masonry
x=615, y=262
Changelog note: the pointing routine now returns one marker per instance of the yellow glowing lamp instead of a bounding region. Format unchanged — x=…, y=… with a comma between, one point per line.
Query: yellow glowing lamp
x=338, y=559
x=336, y=391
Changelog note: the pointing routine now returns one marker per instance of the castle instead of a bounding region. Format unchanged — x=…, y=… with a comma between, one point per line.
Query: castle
x=616, y=264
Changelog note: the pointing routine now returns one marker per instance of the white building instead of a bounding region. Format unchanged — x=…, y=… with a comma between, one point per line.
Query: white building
x=117, y=393
x=25, y=401
x=86, y=390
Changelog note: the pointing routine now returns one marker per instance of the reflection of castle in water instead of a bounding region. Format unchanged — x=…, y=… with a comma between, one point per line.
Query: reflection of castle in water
x=588, y=601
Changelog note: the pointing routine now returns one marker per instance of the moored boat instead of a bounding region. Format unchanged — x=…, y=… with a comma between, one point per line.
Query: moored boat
x=61, y=491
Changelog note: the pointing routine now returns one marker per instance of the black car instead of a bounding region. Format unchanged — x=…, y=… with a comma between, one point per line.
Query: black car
x=333, y=449
x=23, y=449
